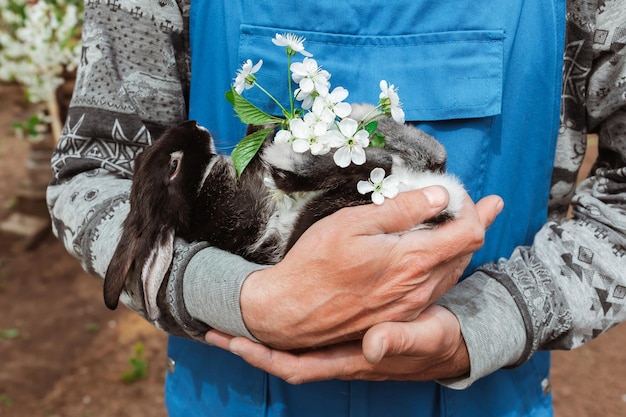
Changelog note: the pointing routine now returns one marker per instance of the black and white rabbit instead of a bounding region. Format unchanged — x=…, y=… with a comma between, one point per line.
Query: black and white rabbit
x=183, y=188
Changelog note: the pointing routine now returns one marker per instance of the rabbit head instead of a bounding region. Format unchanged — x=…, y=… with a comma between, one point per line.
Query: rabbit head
x=166, y=181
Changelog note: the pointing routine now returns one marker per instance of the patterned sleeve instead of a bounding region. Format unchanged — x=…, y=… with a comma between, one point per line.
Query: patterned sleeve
x=586, y=255
x=569, y=286
x=132, y=83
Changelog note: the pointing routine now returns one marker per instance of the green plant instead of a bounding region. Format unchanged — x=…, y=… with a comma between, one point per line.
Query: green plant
x=10, y=202
x=321, y=122
x=138, y=365
x=5, y=399
x=8, y=334
x=32, y=127
x=92, y=327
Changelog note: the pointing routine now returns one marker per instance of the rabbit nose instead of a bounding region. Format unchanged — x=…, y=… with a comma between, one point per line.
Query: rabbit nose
x=189, y=124
x=196, y=125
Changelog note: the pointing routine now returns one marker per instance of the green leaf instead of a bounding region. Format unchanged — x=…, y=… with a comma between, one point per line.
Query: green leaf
x=139, y=366
x=371, y=127
x=230, y=96
x=378, y=140
x=9, y=333
x=248, y=112
x=247, y=148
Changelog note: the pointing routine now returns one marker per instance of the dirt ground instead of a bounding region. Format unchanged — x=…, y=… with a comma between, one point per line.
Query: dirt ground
x=62, y=353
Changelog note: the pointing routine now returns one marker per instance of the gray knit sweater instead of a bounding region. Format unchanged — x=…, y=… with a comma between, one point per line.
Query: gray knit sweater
x=564, y=290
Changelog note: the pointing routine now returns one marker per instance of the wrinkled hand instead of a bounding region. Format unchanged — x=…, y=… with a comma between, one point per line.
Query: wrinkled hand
x=358, y=267
x=429, y=347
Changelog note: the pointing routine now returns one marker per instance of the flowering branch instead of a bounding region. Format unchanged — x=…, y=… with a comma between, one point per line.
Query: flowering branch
x=321, y=124
x=39, y=43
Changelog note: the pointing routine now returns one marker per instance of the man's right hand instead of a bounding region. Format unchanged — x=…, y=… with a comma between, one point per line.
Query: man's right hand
x=359, y=267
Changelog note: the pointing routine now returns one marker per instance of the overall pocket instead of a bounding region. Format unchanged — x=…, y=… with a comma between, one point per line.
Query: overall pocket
x=457, y=104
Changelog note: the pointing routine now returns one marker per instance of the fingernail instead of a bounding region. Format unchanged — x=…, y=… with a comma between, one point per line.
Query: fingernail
x=382, y=349
x=436, y=195
x=499, y=206
x=234, y=348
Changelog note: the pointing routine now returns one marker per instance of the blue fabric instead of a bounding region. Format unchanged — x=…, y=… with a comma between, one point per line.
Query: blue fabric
x=482, y=76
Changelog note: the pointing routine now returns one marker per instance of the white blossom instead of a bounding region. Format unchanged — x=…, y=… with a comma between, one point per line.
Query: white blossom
x=379, y=186
x=245, y=76
x=293, y=43
x=350, y=142
x=334, y=102
x=305, y=138
x=283, y=136
x=311, y=79
x=390, y=102
x=38, y=46
x=320, y=117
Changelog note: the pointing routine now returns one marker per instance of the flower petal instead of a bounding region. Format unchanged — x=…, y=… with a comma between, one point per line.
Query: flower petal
x=299, y=129
x=335, y=139
x=391, y=181
x=279, y=40
x=300, y=145
x=307, y=86
x=283, y=136
x=383, y=88
x=377, y=175
x=342, y=110
x=397, y=114
x=377, y=198
x=342, y=157
x=319, y=148
x=348, y=127
x=364, y=187
x=389, y=193
x=362, y=138
x=338, y=94
x=358, y=155
x=257, y=66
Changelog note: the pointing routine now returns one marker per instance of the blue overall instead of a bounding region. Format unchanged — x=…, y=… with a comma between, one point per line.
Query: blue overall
x=482, y=76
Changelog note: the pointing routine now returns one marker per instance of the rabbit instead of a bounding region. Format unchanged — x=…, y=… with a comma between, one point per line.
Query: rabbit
x=182, y=187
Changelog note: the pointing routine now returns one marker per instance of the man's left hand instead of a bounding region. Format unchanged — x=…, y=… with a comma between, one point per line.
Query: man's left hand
x=429, y=347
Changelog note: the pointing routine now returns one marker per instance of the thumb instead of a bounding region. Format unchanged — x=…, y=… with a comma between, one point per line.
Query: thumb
x=388, y=339
x=405, y=211
x=488, y=208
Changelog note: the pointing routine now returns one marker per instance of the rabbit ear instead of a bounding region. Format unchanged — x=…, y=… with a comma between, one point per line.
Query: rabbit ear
x=154, y=270
x=118, y=269
x=154, y=264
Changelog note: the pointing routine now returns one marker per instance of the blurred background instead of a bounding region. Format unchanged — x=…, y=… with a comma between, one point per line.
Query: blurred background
x=62, y=353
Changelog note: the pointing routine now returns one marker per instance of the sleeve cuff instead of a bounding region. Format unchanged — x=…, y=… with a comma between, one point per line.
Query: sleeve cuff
x=491, y=324
x=212, y=287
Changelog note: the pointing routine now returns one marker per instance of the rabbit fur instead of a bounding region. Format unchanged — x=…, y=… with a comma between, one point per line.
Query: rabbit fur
x=182, y=187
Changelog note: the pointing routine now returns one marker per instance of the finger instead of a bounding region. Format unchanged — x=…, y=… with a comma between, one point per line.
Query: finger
x=217, y=338
x=405, y=211
x=488, y=209
x=296, y=368
x=430, y=335
x=461, y=236
x=420, y=337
